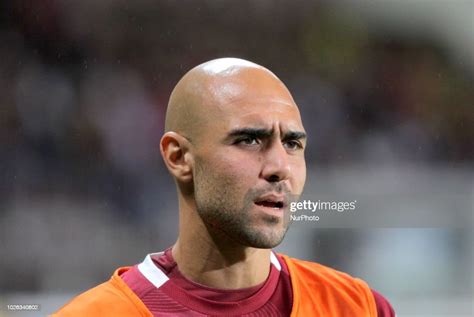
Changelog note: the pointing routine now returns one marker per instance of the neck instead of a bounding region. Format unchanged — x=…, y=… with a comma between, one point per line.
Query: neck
x=212, y=259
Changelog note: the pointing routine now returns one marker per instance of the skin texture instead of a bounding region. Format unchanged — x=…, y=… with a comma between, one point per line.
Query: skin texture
x=233, y=137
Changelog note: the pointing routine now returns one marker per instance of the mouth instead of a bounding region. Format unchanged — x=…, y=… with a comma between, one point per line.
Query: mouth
x=271, y=201
x=270, y=204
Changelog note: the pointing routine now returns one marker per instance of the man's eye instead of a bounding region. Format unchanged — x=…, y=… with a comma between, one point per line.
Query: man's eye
x=247, y=141
x=293, y=145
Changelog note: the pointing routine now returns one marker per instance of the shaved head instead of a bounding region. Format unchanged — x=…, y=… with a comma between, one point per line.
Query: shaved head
x=202, y=94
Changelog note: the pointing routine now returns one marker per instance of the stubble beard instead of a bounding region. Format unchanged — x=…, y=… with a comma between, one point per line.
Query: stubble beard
x=223, y=213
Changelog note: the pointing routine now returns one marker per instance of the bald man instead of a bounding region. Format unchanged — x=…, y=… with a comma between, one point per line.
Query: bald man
x=234, y=143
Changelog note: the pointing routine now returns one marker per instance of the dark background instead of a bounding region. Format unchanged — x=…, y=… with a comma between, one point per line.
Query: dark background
x=385, y=91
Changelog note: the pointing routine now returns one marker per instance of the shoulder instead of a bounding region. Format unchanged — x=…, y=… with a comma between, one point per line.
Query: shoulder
x=321, y=275
x=112, y=298
x=384, y=309
x=311, y=276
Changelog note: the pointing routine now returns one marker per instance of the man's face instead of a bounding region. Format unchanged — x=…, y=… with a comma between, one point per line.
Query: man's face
x=249, y=161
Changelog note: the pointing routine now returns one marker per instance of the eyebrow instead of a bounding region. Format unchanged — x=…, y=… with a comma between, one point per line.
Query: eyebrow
x=265, y=133
x=294, y=135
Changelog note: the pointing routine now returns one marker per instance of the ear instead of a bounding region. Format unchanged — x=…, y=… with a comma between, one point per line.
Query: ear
x=174, y=149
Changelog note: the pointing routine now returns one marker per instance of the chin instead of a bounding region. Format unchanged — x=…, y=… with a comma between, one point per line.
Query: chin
x=264, y=240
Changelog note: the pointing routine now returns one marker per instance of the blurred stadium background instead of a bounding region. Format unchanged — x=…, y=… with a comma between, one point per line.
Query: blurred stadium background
x=386, y=93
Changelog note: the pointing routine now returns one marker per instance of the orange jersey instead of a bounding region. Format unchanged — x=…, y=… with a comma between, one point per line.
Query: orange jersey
x=317, y=291
x=321, y=291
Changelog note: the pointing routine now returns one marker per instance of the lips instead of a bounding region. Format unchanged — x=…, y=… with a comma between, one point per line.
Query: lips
x=271, y=201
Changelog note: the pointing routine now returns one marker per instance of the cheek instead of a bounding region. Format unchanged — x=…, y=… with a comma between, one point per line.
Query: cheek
x=299, y=176
x=242, y=170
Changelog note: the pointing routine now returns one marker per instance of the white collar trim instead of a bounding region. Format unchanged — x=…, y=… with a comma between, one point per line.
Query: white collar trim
x=151, y=272
x=275, y=261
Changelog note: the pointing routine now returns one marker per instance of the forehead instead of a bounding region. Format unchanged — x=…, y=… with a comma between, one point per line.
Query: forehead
x=261, y=113
x=247, y=83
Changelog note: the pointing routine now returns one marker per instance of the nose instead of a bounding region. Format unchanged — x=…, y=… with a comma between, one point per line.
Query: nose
x=276, y=167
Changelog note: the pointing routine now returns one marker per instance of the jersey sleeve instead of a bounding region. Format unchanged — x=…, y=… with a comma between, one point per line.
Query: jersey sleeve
x=384, y=309
x=112, y=298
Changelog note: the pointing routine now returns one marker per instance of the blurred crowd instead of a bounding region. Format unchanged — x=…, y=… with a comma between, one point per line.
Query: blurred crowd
x=84, y=87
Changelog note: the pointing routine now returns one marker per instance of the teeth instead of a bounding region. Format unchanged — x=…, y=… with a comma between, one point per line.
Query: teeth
x=270, y=204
